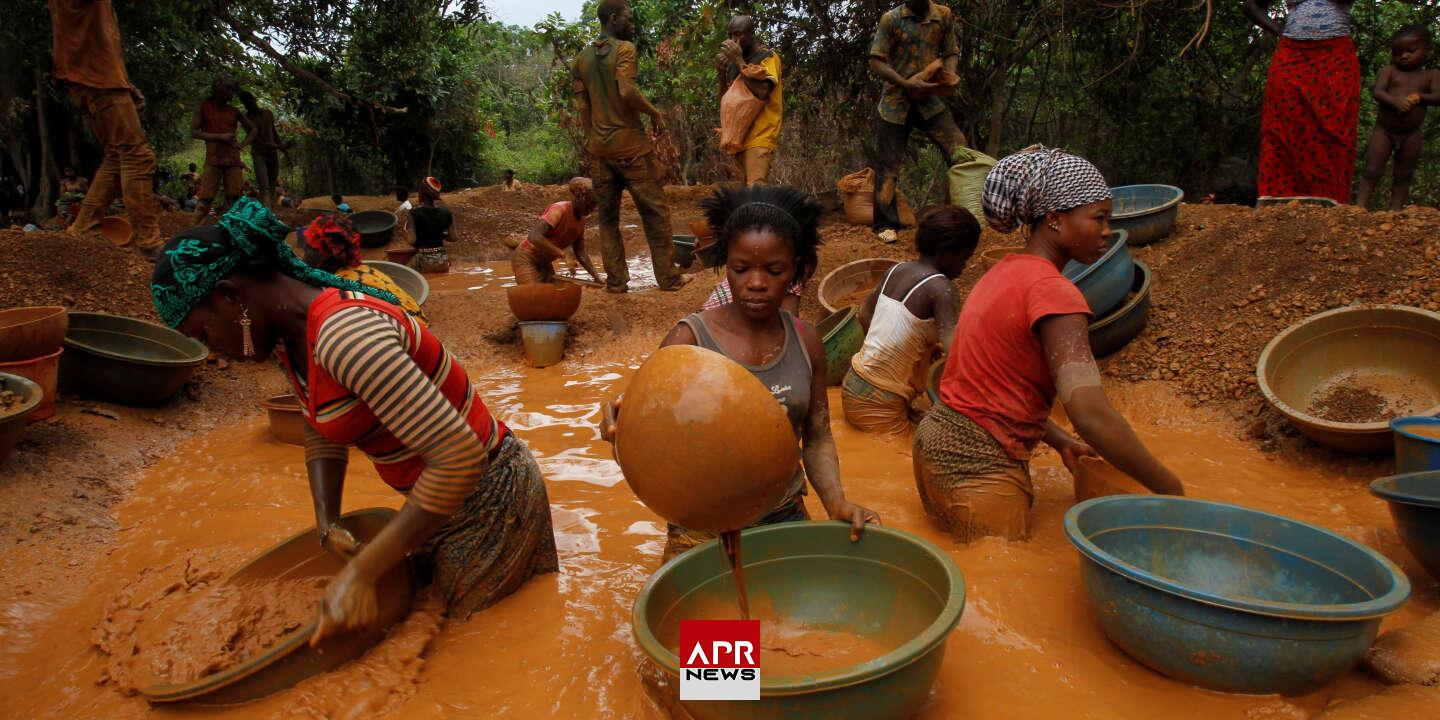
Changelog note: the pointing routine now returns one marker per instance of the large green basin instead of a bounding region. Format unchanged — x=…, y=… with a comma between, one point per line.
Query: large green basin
x=127, y=361
x=843, y=336
x=891, y=586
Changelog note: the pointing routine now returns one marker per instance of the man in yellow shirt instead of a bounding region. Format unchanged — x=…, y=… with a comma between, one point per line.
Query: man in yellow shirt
x=743, y=55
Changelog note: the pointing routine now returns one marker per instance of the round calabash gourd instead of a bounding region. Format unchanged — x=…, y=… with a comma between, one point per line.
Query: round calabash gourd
x=702, y=442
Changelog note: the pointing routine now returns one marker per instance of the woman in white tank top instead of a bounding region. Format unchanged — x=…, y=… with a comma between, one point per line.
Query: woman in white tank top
x=908, y=317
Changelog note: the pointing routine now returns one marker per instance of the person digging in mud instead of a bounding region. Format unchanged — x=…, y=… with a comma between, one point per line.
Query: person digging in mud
x=331, y=243
x=741, y=55
x=1403, y=90
x=1022, y=337
x=476, y=513
x=768, y=234
x=909, y=39
x=560, y=227
x=216, y=122
x=907, y=317
x=432, y=225
x=622, y=155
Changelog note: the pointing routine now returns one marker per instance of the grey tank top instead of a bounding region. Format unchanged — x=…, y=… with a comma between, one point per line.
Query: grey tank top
x=788, y=376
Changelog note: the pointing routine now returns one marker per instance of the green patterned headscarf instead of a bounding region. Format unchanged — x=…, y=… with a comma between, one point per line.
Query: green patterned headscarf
x=189, y=267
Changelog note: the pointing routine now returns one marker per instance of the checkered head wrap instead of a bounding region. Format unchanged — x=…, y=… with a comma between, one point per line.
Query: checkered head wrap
x=1022, y=187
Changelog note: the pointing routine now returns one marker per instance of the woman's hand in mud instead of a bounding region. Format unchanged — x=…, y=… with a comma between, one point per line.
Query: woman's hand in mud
x=610, y=419
x=856, y=515
x=338, y=541
x=1072, y=451
x=349, y=603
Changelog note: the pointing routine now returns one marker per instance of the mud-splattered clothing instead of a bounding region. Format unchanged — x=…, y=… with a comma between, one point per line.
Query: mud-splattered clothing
x=615, y=130
x=910, y=43
x=967, y=481
x=85, y=48
x=997, y=374
x=377, y=379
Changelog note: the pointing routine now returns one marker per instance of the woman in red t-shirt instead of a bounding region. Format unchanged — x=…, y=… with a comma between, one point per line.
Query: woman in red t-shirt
x=1022, y=338
x=560, y=227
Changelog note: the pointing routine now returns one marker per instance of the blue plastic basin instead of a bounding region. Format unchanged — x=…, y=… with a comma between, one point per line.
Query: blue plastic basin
x=1415, y=452
x=1124, y=323
x=1105, y=282
x=1414, y=500
x=1147, y=212
x=1229, y=598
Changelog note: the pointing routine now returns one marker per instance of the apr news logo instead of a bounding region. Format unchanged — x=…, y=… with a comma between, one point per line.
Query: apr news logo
x=719, y=659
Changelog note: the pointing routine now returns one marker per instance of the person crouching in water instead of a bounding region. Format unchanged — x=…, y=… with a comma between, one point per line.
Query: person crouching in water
x=561, y=226
x=766, y=237
x=1022, y=338
x=907, y=317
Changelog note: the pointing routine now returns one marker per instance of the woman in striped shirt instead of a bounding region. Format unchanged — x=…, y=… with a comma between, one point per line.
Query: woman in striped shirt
x=368, y=375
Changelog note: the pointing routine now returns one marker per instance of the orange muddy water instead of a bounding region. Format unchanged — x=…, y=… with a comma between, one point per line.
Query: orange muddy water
x=1028, y=646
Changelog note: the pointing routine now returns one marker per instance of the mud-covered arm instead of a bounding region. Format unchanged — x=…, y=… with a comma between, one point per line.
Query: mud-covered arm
x=582, y=256
x=1066, y=344
x=946, y=310
x=364, y=350
x=582, y=99
x=822, y=462
x=629, y=91
x=325, y=464
x=538, y=239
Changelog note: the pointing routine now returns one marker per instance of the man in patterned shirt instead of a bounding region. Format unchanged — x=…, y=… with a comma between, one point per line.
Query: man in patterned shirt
x=910, y=38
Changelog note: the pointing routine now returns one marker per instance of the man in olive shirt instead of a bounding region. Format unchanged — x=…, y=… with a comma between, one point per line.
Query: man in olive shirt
x=622, y=156
x=88, y=62
x=910, y=37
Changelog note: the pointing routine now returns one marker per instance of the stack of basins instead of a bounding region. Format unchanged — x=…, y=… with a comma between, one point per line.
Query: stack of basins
x=544, y=311
x=30, y=339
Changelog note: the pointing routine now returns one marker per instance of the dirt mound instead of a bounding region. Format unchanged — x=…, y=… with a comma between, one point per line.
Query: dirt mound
x=47, y=268
x=1233, y=277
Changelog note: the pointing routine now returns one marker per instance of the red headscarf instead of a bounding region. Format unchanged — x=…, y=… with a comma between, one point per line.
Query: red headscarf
x=334, y=237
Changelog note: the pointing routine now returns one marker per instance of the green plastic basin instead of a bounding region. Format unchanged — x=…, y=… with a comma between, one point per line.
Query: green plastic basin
x=127, y=361
x=843, y=337
x=892, y=587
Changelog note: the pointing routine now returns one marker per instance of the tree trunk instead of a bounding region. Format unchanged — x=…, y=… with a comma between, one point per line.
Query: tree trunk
x=47, y=187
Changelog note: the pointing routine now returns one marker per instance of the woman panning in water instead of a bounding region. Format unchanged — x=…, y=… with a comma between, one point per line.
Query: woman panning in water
x=768, y=236
x=1021, y=338
x=908, y=316
x=370, y=376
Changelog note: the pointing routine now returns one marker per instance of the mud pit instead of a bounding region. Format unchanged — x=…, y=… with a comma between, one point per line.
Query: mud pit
x=1028, y=646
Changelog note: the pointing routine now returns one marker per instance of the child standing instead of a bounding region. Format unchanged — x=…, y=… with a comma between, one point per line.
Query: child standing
x=1402, y=91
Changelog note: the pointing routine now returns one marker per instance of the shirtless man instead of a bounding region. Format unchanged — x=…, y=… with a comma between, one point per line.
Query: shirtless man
x=1402, y=91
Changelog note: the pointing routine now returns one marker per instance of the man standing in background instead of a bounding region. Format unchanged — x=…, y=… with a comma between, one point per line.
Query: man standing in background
x=742, y=56
x=622, y=155
x=911, y=37
x=265, y=150
x=217, y=122
x=88, y=62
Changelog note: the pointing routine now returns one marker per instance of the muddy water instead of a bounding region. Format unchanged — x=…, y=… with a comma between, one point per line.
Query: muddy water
x=1028, y=646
